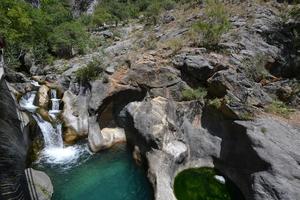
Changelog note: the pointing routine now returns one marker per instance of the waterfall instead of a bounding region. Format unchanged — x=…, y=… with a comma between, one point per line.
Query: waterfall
x=27, y=102
x=54, y=150
x=55, y=103
x=52, y=135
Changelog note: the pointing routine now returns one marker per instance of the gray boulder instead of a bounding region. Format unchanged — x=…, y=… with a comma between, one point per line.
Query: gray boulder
x=261, y=156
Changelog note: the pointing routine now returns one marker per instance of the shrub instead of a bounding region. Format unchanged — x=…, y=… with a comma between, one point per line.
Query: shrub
x=91, y=72
x=175, y=44
x=193, y=94
x=255, y=68
x=152, y=12
x=215, y=103
x=68, y=37
x=278, y=107
x=214, y=23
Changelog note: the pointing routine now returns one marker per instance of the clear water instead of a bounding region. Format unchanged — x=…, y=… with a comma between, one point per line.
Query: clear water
x=108, y=175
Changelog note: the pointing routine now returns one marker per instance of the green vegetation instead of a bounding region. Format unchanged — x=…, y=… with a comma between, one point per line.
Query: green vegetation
x=255, y=68
x=200, y=184
x=212, y=25
x=67, y=38
x=279, y=108
x=114, y=11
x=28, y=29
x=51, y=31
x=92, y=71
x=193, y=94
x=215, y=103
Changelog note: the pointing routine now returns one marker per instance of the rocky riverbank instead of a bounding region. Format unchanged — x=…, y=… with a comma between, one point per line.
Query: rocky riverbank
x=234, y=108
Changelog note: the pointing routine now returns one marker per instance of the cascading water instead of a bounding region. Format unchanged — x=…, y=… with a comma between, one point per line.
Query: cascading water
x=55, y=103
x=54, y=151
x=27, y=102
x=52, y=135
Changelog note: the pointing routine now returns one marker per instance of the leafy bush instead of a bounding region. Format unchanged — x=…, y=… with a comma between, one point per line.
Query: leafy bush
x=214, y=23
x=278, y=107
x=68, y=37
x=91, y=72
x=193, y=94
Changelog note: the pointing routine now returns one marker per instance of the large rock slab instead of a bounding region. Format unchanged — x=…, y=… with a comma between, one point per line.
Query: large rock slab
x=39, y=184
x=43, y=97
x=75, y=112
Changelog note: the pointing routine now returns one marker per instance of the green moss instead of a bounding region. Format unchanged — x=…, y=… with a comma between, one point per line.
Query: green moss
x=200, y=184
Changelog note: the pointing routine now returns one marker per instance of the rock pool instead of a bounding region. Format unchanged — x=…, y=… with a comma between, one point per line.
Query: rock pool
x=108, y=175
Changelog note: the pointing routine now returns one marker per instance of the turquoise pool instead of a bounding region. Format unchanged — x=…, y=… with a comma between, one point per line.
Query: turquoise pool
x=108, y=175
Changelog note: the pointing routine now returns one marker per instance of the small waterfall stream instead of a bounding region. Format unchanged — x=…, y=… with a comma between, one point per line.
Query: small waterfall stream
x=55, y=104
x=54, y=151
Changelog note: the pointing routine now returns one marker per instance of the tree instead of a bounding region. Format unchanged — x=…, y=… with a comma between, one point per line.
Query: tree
x=67, y=38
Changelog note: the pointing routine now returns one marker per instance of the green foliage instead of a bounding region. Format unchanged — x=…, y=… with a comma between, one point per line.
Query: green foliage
x=214, y=23
x=279, y=108
x=193, y=94
x=28, y=29
x=91, y=72
x=215, y=103
x=68, y=37
x=113, y=11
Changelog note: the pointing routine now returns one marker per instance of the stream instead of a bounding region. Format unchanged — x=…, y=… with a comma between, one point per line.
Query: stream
x=75, y=172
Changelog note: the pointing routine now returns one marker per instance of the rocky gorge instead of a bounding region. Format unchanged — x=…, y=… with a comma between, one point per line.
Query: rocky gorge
x=176, y=104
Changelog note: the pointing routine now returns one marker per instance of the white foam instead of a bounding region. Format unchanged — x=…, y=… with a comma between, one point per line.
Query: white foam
x=27, y=101
x=62, y=156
